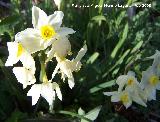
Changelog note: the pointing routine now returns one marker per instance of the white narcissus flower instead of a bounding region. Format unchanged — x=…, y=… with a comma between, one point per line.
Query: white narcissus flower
x=150, y=82
x=60, y=48
x=68, y=66
x=130, y=84
x=46, y=30
x=18, y=53
x=123, y=96
x=24, y=76
x=46, y=90
x=156, y=62
x=128, y=80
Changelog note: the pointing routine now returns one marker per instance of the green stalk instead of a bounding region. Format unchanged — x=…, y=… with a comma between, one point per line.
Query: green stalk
x=43, y=75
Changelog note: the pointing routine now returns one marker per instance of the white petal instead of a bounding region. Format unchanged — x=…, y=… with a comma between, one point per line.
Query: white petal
x=34, y=92
x=110, y=93
x=30, y=39
x=65, y=67
x=50, y=55
x=65, y=45
x=143, y=96
x=131, y=73
x=150, y=92
x=137, y=94
x=68, y=66
x=21, y=75
x=93, y=114
x=130, y=88
x=12, y=58
x=158, y=86
x=145, y=77
x=153, y=94
x=39, y=17
x=115, y=97
x=64, y=31
x=157, y=53
x=56, y=19
x=28, y=62
x=121, y=81
x=77, y=67
x=128, y=104
x=48, y=93
x=24, y=76
x=63, y=76
x=48, y=42
x=58, y=3
x=59, y=94
x=138, y=100
x=81, y=53
x=58, y=91
x=55, y=71
x=156, y=65
x=71, y=82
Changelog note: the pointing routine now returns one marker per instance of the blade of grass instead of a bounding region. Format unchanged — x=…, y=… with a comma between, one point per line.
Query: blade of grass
x=92, y=59
x=121, y=42
x=117, y=63
x=102, y=86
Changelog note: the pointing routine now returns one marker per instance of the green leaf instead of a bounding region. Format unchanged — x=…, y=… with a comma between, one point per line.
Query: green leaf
x=5, y=71
x=10, y=20
x=7, y=24
x=120, y=18
x=137, y=47
x=120, y=60
x=99, y=18
x=100, y=4
x=92, y=59
x=121, y=41
x=102, y=86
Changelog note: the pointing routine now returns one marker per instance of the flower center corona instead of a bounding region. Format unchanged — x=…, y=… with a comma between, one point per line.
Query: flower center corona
x=47, y=32
x=154, y=80
x=130, y=81
x=124, y=98
x=20, y=50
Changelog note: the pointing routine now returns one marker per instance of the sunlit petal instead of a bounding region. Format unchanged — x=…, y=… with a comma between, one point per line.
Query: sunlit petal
x=35, y=92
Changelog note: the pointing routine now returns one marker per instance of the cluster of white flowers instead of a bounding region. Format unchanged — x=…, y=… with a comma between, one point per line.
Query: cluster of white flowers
x=140, y=92
x=46, y=34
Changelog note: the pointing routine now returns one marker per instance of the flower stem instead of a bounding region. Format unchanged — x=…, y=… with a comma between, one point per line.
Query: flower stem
x=43, y=76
